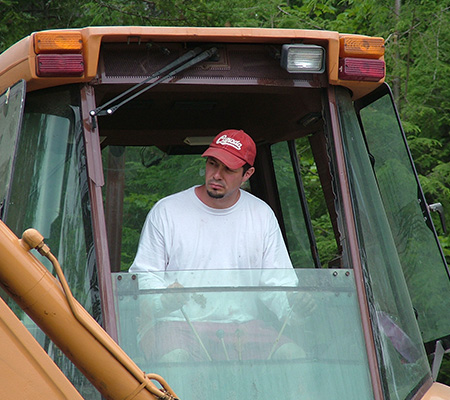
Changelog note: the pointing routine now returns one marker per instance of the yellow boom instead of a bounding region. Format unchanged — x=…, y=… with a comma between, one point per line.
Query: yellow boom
x=51, y=305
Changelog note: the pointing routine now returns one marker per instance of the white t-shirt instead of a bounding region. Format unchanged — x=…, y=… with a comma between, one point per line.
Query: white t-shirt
x=181, y=233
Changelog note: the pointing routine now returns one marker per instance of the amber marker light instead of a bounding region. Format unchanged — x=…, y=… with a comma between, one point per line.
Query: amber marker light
x=361, y=46
x=58, y=42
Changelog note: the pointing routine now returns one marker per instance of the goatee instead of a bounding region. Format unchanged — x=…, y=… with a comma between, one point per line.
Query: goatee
x=214, y=195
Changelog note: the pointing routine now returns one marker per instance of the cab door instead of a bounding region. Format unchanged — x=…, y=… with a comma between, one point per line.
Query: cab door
x=421, y=257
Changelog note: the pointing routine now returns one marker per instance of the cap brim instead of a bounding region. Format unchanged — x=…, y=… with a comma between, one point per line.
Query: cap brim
x=225, y=157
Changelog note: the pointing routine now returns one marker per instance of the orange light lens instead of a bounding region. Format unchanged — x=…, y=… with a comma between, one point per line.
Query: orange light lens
x=53, y=42
x=361, y=46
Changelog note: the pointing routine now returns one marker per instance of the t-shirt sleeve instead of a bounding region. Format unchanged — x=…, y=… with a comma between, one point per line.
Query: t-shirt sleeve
x=277, y=270
x=275, y=251
x=151, y=255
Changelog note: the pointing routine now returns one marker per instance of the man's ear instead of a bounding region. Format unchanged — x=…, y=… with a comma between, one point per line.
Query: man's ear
x=248, y=174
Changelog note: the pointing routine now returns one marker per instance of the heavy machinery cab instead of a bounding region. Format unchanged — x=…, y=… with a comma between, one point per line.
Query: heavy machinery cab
x=85, y=162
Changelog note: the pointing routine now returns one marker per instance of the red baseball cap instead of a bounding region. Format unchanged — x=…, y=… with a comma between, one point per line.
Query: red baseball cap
x=232, y=147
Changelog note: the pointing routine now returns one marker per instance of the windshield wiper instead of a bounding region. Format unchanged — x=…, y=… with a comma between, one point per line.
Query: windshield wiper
x=182, y=63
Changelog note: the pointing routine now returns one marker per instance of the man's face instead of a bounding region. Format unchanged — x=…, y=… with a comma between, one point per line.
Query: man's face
x=222, y=182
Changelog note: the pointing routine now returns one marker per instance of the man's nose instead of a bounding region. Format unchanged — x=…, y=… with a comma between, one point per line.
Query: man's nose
x=218, y=173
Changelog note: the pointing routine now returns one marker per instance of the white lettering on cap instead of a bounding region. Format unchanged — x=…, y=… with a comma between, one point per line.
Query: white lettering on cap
x=226, y=141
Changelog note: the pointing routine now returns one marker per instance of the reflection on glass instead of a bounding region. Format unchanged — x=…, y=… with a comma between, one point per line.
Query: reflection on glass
x=259, y=334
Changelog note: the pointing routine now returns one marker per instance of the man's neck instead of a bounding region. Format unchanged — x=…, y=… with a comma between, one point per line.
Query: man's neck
x=219, y=203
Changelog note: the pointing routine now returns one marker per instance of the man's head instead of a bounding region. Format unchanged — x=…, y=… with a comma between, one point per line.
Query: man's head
x=232, y=147
x=230, y=159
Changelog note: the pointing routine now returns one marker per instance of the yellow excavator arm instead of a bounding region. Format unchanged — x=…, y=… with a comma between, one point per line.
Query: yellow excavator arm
x=26, y=369
x=51, y=305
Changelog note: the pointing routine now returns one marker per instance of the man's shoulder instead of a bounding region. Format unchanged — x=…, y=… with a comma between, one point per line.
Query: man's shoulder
x=179, y=195
x=174, y=200
x=255, y=202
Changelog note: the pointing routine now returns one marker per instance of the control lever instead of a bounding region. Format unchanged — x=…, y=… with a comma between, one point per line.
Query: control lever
x=194, y=331
x=220, y=334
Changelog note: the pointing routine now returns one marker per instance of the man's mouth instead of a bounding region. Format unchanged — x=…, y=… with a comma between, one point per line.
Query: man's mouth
x=215, y=186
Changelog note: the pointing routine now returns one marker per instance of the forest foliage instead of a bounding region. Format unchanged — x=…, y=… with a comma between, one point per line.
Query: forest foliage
x=417, y=38
x=417, y=50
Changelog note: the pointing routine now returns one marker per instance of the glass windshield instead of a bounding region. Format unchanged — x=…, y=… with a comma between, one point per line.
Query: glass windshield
x=11, y=110
x=422, y=262
x=258, y=334
x=401, y=354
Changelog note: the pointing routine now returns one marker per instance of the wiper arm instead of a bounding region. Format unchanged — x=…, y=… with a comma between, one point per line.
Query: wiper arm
x=187, y=60
x=180, y=60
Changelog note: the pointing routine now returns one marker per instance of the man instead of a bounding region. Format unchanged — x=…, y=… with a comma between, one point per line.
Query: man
x=213, y=227
x=216, y=225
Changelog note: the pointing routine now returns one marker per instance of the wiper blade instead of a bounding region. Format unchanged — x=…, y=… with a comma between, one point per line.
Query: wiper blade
x=184, y=62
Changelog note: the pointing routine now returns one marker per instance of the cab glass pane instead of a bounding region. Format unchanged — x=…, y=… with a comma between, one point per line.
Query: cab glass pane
x=260, y=334
x=50, y=193
x=422, y=262
x=11, y=110
x=401, y=355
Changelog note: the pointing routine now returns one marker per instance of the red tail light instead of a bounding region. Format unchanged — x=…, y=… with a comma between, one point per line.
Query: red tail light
x=360, y=69
x=59, y=65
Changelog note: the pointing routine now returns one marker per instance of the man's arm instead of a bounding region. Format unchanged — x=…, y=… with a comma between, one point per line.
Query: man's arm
x=150, y=263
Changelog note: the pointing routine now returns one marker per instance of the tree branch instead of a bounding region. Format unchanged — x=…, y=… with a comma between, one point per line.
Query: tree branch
x=300, y=19
x=137, y=15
